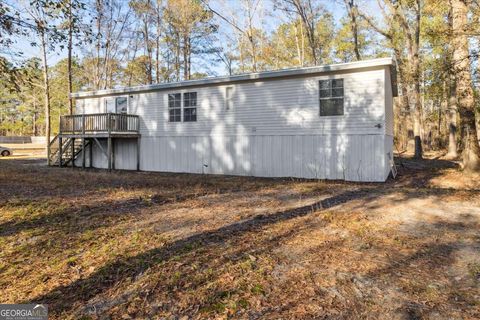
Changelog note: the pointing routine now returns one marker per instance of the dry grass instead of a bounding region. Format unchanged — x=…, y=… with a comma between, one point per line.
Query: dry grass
x=148, y=245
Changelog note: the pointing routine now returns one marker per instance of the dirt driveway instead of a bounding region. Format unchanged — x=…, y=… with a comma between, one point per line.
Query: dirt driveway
x=150, y=245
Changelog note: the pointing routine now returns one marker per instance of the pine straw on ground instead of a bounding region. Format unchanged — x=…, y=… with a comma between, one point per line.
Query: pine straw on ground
x=148, y=245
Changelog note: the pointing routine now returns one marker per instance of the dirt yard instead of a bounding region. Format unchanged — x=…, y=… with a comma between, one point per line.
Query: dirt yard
x=130, y=245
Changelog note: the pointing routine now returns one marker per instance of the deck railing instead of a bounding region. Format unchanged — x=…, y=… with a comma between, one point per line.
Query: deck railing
x=99, y=123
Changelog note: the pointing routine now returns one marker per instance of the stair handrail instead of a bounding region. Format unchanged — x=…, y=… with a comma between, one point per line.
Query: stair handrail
x=50, y=154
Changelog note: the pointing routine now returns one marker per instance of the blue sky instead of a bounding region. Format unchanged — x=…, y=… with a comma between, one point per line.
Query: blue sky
x=268, y=23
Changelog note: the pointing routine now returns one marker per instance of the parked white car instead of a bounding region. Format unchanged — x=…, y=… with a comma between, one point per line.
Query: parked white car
x=5, y=152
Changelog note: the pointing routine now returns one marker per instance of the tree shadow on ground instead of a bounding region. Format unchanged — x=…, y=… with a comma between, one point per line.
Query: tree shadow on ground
x=72, y=219
x=451, y=292
x=62, y=298
x=418, y=173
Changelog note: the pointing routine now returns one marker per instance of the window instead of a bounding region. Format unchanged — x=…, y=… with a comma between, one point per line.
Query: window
x=190, y=106
x=175, y=107
x=228, y=98
x=110, y=105
x=121, y=104
x=331, y=97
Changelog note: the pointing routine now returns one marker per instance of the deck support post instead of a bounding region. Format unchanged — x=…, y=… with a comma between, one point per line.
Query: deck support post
x=109, y=145
x=90, y=156
x=72, y=155
x=83, y=152
x=83, y=141
x=60, y=151
x=138, y=154
x=109, y=153
x=113, y=154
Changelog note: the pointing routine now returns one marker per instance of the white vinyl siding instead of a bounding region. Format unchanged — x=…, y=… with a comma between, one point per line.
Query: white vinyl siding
x=228, y=98
x=272, y=128
x=388, y=104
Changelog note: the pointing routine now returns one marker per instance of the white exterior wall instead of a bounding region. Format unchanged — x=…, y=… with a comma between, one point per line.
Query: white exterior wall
x=273, y=129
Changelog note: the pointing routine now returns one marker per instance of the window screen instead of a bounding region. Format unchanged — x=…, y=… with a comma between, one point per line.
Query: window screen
x=121, y=104
x=331, y=97
x=175, y=107
x=190, y=106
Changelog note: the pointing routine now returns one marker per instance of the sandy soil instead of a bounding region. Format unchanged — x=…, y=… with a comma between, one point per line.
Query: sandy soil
x=25, y=150
x=151, y=245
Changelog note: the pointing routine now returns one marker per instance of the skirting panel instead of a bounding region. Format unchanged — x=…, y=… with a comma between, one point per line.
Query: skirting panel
x=344, y=157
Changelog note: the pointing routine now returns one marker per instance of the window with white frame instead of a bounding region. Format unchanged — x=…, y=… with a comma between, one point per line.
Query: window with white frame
x=175, y=107
x=190, y=106
x=331, y=97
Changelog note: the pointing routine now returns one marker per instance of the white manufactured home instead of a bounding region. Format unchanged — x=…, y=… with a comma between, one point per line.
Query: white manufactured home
x=324, y=122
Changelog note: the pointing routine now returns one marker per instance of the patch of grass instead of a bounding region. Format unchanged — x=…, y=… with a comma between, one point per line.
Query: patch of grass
x=243, y=303
x=474, y=270
x=257, y=289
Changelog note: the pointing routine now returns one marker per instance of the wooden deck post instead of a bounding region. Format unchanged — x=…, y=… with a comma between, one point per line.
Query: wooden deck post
x=138, y=154
x=60, y=151
x=109, y=153
x=113, y=154
x=83, y=141
x=83, y=152
x=90, y=156
x=109, y=145
x=72, y=155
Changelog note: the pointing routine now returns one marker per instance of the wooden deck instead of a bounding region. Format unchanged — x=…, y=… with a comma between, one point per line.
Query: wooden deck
x=80, y=132
x=99, y=124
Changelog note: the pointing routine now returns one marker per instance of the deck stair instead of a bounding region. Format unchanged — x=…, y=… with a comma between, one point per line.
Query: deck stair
x=69, y=153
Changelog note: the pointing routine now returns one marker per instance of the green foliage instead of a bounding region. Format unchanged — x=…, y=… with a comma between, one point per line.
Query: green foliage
x=22, y=103
x=369, y=45
x=136, y=72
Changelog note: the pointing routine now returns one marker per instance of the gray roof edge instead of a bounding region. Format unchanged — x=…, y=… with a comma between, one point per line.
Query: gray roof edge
x=242, y=77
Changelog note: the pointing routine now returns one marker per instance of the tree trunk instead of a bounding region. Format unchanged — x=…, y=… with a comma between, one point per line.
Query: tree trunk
x=185, y=57
x=417, y=122
x=351, y=8
x=452, y=120
x=148, y=47
x=297, y=44
x=311, y=40
x=414, y=58
x=34, y=118
x=157, y=44
x=69, y=58
x=464, y=91
x=189, y=58
x=98, y=45
x=414, y=97
x=177, y=56
x=254, y=51
x=46, y=91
